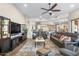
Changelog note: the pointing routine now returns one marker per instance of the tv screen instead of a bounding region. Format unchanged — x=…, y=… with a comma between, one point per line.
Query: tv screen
x=15, y=28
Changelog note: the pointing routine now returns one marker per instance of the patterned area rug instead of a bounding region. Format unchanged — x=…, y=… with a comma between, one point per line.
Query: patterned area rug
x=29, y=48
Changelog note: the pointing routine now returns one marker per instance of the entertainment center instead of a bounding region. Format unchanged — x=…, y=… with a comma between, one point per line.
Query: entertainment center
x=4, y=34
x=15, y=34
x=10, y=35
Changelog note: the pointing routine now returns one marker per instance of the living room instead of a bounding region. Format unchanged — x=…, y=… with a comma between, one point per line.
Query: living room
x=39, y=29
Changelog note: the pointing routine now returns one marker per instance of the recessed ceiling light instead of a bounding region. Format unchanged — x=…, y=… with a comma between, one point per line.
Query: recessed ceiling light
x=72, y=5
x=41, y=17
x=25, y=5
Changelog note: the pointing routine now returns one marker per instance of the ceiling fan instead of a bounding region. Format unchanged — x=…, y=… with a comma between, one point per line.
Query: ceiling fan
x=51, y=9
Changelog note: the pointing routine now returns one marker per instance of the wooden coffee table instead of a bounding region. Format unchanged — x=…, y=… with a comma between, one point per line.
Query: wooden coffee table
x=42, y=52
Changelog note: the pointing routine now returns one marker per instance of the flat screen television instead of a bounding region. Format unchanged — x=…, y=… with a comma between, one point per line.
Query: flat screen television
x=15, y=28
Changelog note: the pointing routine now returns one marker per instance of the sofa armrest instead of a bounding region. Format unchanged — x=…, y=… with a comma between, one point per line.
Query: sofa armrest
x=70, y=46
x=67, y=52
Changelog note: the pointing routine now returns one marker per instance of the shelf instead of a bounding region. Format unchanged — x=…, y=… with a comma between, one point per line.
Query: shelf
x=5, y=22
x=4, y=34
x=4, y=28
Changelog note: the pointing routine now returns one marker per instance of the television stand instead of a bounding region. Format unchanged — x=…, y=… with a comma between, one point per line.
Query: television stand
x=16, y=39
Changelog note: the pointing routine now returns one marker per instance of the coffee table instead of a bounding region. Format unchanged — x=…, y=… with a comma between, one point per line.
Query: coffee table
x=42, y=52
x=40, y=41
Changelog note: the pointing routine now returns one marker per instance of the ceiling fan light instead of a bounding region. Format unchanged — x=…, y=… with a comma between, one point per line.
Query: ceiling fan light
x=50, y=13
x=53, y=14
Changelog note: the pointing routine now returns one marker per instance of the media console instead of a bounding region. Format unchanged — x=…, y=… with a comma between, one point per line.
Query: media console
x=15, y=38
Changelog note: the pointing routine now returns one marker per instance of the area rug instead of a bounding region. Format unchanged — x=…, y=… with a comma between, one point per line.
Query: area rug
x=29, y=49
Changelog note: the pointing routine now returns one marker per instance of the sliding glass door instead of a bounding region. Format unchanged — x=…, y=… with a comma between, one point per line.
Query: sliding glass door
x=74, y=26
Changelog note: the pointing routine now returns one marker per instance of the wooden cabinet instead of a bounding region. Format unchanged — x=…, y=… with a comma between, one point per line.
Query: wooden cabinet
x=0, y=29
x=4, y=33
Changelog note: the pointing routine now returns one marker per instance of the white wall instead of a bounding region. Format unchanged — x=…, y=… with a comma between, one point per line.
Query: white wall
x=10, y=11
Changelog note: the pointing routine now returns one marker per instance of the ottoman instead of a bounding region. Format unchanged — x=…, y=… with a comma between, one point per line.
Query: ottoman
x=42, y=52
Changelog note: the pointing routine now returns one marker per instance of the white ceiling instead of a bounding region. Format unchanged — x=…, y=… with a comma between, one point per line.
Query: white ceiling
x=33, y=10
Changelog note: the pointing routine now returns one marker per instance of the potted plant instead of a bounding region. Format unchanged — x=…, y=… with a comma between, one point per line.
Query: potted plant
x=25, y=30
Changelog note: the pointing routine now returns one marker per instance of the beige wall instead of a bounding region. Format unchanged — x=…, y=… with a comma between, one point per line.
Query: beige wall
x=74, y=14
x=10, y=11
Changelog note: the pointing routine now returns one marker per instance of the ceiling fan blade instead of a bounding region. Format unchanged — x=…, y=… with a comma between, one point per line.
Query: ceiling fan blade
x=53, y=6
x=44, y=9
x=44, y=12
x=55, y=10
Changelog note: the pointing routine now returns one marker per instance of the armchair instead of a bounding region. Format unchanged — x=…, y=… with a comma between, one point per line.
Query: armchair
x=70, y=49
